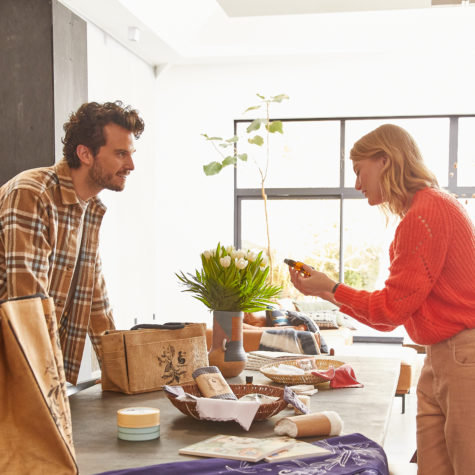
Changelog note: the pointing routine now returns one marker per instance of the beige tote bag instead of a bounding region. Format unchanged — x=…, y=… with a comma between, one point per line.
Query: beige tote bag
x=35, y=420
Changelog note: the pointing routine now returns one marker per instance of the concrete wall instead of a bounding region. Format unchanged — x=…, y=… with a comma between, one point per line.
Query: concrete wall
x=43, y=58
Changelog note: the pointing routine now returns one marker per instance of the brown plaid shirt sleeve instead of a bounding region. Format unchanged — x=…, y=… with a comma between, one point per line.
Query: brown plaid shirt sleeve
x=45, y=231
x=26, y=249
x=100, y=321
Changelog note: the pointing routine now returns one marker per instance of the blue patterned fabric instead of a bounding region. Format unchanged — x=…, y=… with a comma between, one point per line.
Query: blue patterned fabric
x=290, y=340
x=350, y=455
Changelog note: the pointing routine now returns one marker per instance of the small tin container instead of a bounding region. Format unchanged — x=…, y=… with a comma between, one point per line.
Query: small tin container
x=138, y=423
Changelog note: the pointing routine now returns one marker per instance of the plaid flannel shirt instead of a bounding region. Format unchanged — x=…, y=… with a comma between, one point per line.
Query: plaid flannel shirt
x=45, y=231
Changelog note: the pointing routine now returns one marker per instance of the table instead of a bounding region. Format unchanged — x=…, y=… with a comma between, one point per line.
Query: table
x=364, y=410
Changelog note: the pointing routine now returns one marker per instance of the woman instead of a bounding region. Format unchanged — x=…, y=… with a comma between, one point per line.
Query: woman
x=430, y=290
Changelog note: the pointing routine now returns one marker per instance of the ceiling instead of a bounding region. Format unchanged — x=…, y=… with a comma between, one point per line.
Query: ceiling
x=202, y=31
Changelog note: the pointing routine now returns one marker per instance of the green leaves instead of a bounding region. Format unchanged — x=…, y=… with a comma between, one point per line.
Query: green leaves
x=279, y=98
x=254, y=125
x=256, y=140
x=221, y=145
x=224, y=284
x=252, y=108
x=212, y=168
x=275, y=126
x=211, y=138
x=229, y=161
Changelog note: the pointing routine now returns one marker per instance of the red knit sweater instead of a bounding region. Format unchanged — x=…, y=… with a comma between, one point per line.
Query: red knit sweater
x=431, y=284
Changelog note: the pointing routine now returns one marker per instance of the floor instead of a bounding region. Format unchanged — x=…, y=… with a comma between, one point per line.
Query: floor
x=400, y=441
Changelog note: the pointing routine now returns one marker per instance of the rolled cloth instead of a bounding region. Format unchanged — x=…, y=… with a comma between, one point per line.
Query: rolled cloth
x=212, y=384
x=308, y=425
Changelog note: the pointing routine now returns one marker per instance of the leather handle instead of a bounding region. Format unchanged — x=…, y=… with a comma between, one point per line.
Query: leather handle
x=165, y=326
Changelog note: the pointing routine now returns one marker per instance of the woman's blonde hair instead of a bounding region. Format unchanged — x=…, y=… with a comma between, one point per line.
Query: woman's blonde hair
x=406, y=171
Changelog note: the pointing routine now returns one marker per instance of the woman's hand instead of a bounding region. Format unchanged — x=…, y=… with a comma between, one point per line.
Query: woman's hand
x=316, y=283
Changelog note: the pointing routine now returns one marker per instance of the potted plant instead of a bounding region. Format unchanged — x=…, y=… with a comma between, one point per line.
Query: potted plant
x=254, y=137
x=231, y=282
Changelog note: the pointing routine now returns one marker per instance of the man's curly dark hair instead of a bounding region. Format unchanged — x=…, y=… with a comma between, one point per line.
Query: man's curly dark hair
x=86, y=127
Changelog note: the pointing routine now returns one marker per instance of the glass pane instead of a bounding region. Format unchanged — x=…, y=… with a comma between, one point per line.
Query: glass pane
x=466, y=152
x=366, y=240
x=431, y=135
x=469, y=205
x=366, y=254
x=305, y=230
x=305, y=155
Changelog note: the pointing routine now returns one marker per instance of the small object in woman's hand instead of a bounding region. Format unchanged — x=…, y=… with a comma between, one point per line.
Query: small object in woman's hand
x=297, y=265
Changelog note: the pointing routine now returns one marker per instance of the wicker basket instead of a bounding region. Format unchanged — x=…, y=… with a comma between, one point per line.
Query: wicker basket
x=307, y=378
x=264, y=411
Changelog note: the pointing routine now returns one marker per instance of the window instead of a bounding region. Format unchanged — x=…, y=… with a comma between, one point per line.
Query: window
x=431, y=135
x=310, y=146
x=300, y=229
x=465, y=165
x=316, y=215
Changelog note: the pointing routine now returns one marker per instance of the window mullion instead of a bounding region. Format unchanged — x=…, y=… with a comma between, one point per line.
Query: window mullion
x=453, y=152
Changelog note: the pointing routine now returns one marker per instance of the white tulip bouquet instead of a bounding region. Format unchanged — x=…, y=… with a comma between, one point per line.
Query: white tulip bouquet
x=231, y=280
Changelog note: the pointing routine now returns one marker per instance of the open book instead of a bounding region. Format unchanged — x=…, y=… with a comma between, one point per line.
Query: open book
x=299, y=450
x=233, y=447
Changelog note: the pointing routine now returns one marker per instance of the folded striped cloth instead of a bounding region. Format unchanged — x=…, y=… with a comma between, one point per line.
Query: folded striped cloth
x=295, y=318
x=212, y=384
x=289, y=340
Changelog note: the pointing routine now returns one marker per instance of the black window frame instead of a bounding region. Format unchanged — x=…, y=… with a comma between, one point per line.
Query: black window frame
x=342, y=192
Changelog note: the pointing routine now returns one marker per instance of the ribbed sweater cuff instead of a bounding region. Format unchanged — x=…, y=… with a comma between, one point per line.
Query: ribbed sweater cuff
x=344, y=294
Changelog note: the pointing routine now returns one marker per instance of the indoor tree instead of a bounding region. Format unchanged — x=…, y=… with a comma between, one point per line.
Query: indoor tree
x=258, y=134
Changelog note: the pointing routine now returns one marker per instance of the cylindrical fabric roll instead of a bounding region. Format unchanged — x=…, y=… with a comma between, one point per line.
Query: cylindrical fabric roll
x=212, y=384
x=308, y=425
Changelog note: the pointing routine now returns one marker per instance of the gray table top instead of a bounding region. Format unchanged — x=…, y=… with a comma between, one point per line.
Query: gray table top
x=94, y=414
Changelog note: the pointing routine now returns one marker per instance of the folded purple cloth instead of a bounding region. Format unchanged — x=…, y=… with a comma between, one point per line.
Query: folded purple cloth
x=350, y=455
x=293, y=400
x=174, y=391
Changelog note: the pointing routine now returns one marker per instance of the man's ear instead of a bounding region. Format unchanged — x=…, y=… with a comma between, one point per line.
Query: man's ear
x=84, y=154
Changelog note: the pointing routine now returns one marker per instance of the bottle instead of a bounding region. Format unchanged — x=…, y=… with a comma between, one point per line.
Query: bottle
x=297, y=265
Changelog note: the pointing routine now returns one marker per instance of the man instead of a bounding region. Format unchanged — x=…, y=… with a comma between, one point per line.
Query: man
x=50, y=219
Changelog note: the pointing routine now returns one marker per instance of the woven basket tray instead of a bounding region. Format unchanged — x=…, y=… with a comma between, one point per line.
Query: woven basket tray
x=308, y=378
x=264, y=411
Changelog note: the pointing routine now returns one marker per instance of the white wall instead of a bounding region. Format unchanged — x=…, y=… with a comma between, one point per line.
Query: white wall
x=129, y=237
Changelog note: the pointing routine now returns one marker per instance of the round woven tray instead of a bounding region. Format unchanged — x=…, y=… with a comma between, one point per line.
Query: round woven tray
x=264, y=411
x=307, y=378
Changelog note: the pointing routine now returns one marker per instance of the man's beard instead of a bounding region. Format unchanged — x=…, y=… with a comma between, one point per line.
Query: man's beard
x=103, y=180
